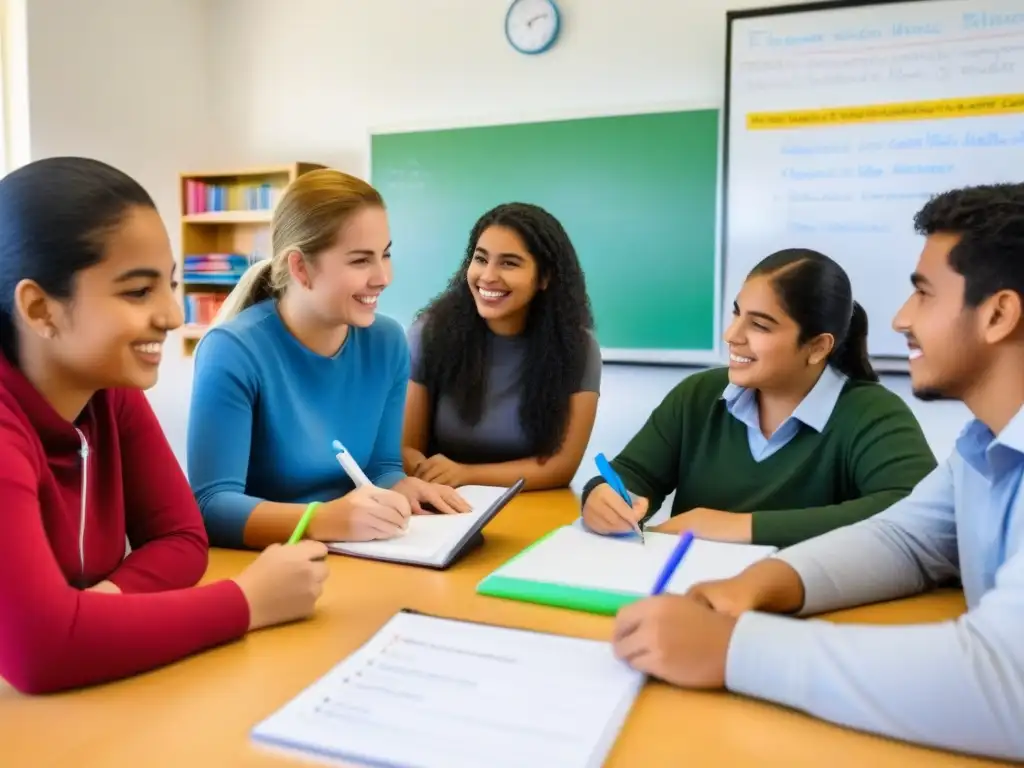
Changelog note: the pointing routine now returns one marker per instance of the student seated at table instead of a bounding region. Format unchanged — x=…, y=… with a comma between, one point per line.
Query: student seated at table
x=957, y=685
x=796, y=437
x=296, y=359
x=505, y=368
x=86, y=303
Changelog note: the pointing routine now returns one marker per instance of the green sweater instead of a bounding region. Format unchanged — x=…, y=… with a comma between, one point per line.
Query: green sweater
x=870, y=454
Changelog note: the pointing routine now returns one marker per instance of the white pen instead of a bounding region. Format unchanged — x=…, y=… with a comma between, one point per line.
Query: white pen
x=352, y=469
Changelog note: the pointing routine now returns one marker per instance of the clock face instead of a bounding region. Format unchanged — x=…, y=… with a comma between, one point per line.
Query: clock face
x=532, y=25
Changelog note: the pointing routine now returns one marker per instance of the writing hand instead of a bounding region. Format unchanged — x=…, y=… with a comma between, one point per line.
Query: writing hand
x=607, y=512
x=676, y=639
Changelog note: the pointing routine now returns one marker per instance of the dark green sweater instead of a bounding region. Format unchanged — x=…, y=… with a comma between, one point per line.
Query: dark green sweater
x=871, y=453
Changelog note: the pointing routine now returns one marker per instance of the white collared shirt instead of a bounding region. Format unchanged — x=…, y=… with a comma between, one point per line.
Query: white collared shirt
x=814, y=411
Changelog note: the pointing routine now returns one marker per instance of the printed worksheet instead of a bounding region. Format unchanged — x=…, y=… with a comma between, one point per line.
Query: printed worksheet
x=427, y=691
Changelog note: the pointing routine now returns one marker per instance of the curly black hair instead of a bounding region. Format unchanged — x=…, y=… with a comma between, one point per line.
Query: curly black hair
x=454, y=339
x=990, y=222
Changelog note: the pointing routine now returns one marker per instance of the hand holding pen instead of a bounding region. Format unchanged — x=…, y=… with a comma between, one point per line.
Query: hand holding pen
x=672, y=637
x=364, y=514
x=610, y=508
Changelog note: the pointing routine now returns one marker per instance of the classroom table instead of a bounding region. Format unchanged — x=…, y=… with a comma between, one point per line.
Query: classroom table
x=199, y=712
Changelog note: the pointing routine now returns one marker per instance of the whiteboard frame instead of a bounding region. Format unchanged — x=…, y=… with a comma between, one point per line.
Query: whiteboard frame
x=666, y=357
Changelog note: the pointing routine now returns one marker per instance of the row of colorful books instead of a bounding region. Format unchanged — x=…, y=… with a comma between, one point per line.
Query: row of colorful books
x=215, y=268
x=204, y=197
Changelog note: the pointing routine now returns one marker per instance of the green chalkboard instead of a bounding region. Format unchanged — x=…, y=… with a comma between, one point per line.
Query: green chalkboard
x=636, y=193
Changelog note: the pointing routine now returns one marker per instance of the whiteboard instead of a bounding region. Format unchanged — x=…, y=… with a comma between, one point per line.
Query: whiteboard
x=841, y=122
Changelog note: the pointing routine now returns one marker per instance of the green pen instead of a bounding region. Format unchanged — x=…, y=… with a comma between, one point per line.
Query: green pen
x=300, y=529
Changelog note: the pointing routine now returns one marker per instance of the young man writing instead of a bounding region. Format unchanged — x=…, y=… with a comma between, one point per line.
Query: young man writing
x=958, y=684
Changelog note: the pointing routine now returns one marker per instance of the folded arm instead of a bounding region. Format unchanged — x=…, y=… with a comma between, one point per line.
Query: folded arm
x=224, y=393
x=169, y=546
x=956, y=685
x=55, y=637
x=908, y=548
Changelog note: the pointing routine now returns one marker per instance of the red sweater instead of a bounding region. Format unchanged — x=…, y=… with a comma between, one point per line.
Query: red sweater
x=54, y=635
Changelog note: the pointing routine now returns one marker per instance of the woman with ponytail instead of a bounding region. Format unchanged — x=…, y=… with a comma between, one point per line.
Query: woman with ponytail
x=298, y=358
x=794, y=438
x=87, y=300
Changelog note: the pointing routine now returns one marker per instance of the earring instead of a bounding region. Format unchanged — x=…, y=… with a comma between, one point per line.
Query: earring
x=50, y=332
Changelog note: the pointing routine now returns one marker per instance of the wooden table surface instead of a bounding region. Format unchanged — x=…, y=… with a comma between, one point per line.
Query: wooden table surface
x=198, y=713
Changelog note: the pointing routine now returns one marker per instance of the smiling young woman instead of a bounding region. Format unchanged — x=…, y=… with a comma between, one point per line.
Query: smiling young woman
x=796, y=437
x=297, y=359
x=86, y=301
x=505, y=367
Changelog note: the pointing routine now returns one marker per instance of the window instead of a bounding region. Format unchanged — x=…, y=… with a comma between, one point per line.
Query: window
x=14, y=117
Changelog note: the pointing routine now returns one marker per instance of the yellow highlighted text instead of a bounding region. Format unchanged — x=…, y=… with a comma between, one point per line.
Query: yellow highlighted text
x=936, y=109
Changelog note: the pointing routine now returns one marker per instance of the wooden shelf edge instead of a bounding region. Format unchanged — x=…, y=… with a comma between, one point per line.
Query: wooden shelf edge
x=193, y=331
x=235, y=231
x=264, y=170
x=228, y=217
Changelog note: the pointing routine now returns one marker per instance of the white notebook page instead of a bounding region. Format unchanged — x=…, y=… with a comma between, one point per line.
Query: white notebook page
x=576, y=557
x=428, y=538
x=428, y=692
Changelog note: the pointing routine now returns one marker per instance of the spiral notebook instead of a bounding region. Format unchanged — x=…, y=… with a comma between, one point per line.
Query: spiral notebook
x=574, y=568
x=437, y=540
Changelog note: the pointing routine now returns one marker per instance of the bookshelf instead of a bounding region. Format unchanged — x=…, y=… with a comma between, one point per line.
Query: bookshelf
x=225, y=227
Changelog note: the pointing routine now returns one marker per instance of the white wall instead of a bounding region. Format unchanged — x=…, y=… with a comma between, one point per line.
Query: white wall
x=126, y=82
x=307, y=79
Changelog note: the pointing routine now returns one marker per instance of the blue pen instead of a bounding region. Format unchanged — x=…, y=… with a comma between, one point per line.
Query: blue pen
x=612, y=478
x=672, y=563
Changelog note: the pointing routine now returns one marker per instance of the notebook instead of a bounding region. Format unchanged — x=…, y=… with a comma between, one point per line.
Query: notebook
x=434, y=692
x=574, y=568
x=437, y=540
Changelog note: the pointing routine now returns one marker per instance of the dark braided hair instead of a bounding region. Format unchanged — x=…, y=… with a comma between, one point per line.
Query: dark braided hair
x=454, y=340
x=990, y=221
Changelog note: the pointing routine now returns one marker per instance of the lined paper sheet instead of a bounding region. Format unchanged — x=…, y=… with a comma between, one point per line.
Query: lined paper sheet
x=432, y=692
x=429, y=538
x=576, y=557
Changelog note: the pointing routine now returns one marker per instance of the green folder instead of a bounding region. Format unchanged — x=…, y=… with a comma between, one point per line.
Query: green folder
x=601, y=601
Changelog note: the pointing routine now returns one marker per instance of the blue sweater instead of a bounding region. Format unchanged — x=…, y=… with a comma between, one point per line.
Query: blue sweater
x=265, y=410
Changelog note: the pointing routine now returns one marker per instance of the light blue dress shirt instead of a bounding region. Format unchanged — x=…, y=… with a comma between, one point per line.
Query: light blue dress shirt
x=956, y=684
x=814, y=411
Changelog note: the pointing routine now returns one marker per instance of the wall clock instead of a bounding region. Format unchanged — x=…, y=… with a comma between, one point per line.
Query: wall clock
x=532, y=26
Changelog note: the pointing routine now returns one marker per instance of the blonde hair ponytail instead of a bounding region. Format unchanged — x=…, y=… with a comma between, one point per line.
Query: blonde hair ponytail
x=252, y=287
x=308, y=219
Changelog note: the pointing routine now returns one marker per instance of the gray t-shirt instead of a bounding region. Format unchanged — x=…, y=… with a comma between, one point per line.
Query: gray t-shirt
x=498, y=436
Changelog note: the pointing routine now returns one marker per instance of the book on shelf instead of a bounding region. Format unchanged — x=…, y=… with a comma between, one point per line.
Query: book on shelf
x=207, y=197
x=201, y=307
x=215, y=268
